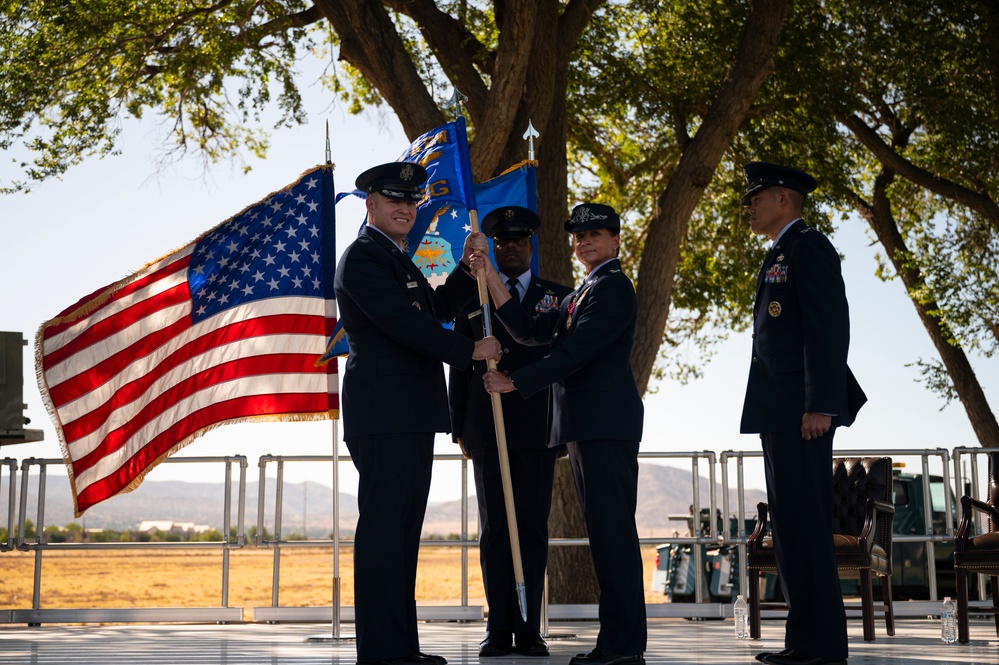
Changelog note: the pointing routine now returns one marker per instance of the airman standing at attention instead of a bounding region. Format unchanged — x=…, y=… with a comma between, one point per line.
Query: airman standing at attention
x=800, y=389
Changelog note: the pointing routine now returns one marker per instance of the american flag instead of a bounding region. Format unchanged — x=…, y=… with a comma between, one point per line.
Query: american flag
x=225, y=329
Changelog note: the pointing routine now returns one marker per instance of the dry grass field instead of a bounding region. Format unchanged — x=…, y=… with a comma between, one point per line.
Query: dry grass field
x=193, y=578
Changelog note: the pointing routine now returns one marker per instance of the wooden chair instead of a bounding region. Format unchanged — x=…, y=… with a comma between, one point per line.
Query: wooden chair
x=978, y=554
x=863, y=514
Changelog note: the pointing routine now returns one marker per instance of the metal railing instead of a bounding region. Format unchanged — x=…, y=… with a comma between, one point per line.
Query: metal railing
x=36, y=615
x=701, y=464
x=10, y=464
x=975, y=480
x=930, y=538
x=277, y=612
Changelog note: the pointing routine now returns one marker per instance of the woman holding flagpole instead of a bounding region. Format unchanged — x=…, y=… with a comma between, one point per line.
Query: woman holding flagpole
x=596, y=412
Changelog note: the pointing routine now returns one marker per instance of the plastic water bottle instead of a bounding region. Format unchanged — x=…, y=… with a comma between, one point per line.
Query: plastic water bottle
x=948, y=621
x=740, y=610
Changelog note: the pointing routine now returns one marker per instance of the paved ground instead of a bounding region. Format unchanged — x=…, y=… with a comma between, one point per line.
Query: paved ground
x=670, y=641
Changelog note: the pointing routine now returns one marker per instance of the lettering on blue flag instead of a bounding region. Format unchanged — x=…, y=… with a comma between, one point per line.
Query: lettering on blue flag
x=438, y=235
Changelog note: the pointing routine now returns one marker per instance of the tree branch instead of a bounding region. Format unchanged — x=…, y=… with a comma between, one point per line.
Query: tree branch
x=370, y=43
x=456, y=49
x=752, y=62
x=980, y=203
x=282, y=23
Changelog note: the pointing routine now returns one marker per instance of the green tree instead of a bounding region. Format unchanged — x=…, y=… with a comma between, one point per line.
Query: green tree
x=68, y=73
x=210, y=71
x=53, y=534
x=108, y=536
x=29, y=530
x=74, y=532
x=928, y=130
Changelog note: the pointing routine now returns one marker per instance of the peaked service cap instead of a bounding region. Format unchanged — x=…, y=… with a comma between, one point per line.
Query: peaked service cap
x=588, y=216
x=511, y=222
x=402, y=181
x=760, y=175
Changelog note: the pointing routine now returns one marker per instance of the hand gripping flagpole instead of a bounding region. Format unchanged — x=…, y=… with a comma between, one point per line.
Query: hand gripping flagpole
x=497, y=403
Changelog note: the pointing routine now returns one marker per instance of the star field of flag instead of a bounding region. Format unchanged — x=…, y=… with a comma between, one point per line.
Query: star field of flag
x=271, y=250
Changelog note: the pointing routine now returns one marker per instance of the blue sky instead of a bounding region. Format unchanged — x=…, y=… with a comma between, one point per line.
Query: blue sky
x=107, y=218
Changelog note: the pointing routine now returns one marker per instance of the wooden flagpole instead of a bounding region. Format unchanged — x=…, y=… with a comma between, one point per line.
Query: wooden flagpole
x=498, y=422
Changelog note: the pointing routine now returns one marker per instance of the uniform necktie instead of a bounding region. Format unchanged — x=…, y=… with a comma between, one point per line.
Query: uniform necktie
x=514, y=291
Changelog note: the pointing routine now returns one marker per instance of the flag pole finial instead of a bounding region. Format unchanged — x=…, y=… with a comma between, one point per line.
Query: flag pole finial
x=457, y=99
x=329, y=154
x=529, y=136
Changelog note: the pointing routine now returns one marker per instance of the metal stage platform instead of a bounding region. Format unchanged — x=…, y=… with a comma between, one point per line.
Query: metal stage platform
x=670, y=641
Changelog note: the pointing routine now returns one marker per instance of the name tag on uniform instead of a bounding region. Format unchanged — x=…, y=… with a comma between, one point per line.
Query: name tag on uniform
x=411, y=285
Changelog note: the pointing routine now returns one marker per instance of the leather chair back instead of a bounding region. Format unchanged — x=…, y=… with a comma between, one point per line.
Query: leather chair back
x=856, y=479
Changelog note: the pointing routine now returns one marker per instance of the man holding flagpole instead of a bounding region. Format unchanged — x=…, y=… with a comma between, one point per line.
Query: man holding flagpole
x=532, y=462
x=394, y=400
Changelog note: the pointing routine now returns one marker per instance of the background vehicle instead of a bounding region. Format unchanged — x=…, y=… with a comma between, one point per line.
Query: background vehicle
x=674, y=574
x=910, y=566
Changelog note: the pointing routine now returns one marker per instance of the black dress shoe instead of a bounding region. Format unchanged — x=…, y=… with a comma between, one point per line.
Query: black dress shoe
x=496, y=644
x=531, y=644
x=794, y=658
x=602, y=657
x=766, y=654
x=430, y=659
x=405, y=660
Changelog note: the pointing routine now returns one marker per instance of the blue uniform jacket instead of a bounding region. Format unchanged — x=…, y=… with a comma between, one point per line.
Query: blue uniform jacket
x=801, y=336
x=526, y=420
x=588, y=366
x=393, y=380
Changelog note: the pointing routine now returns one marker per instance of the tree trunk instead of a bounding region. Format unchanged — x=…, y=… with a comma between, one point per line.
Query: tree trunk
x=571, y=577
x=370, y=43
x=966, y=384
x=753, y=62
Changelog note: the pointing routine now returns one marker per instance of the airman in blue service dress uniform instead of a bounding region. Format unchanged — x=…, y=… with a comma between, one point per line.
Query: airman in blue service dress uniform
x=597, y=413
x=532, y=462
x=800, y=389
x=394, y=399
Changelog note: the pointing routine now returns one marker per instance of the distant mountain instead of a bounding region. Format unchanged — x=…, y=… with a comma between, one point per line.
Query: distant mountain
x=663, y=491
x=202, y=503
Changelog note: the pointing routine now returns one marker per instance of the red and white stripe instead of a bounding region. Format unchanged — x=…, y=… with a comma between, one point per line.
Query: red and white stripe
x=129, y=380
